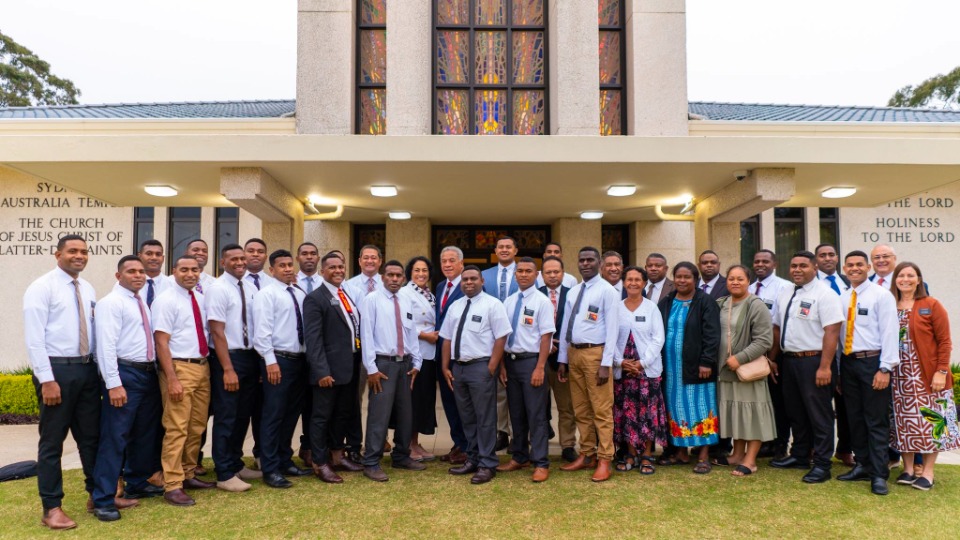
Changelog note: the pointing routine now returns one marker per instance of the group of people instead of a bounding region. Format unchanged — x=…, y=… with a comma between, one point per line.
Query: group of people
x=630, y=358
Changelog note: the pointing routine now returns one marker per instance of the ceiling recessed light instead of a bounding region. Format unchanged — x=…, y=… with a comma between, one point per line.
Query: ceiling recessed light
x=838, y=192
x=621, y=191
x=399, y=215
x=383, y=191
x=160, y=191
x=591, y=215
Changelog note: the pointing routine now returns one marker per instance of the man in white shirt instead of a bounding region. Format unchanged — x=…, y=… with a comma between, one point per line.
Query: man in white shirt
x=180, y=331
x=659, y=286
x=151, y=255
x=234, y=369
x=870, y=349
x=806, y=329
x=391, y=355
x=58, y=327
x=588, y=341
x=308, y=260
x=475, y=331
x=199, y=250
x=255, y=251
x=528, y=346
x=611, y=270
x=131, y=406
x=279, y=338
x=554, y=249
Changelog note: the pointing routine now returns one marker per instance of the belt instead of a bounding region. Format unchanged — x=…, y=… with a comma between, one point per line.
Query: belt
x=802, y=354
x=862, y=354
x=67, y=360
x=240, y=351
x=200, y=361
x=522, y=356
x=142, y=366
x=585, y=345
x=395, y=358
x=473, y=361
x=290, y=355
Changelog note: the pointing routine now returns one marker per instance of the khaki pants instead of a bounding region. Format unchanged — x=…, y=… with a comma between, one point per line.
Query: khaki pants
x=184, y=422
x=566, y=423
x=592, y=404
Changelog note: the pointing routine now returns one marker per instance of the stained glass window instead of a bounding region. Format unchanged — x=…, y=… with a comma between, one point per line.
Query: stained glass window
x=490, y=67
x=612, y=67
x=372, y=67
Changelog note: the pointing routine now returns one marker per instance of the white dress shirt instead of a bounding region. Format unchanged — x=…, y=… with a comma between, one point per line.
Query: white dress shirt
x=646, y=325
x=425, y=319
x=876, y=326
x=825, y=278
x=710, y=284
x=276, y=316
x=379, y=329
x=160, y=284
x=595, y=322
x=265, y=279
x=206, y=280
x=224, y=305
x=771, y=287
x=357, y=287
x=51, y=320
x=120, y=333
x=618, y=286
x=655, y=292
x=343, y=309
x=535, y=319
x=308, y=283
x=877, y=278
x=172, y=313
x=814, y=308
x=487, y=322
x=568, y=280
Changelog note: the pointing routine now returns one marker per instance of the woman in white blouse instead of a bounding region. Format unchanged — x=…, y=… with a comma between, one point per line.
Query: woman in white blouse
x=424, y=390
x=639, y=415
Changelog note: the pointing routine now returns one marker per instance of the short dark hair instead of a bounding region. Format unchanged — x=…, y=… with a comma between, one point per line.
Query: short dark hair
x=817, y=249
x=330, y=255
x=505, y=237
x=408, y=271
x=806, y=255
x=127, y=258
x=393, y=262
x=371, y=246
x=195, y=240
x=633, y=268
x=187, y=257
x=68, y=237
x=656, y=255
x=548, y=244
x=770, y=251
x=552, y=258
x=689, y=266
x=150, y=242
x=311, y=244
x=255, y=241
x=707, y=252
x=230, y=247
x=528, y=260
x=473, y=267
x=612, y=253
x=856, y=253
x=590, y=248
x=746, y=270
x=279, y=254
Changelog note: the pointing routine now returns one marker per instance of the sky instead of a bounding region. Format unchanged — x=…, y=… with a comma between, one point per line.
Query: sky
x=828, y=52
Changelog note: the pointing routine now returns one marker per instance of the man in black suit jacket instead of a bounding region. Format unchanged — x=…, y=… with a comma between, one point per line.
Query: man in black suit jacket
x=448, y=291
x=658, y=286
x=332, y=337
x=552, y=274
x=711, y=281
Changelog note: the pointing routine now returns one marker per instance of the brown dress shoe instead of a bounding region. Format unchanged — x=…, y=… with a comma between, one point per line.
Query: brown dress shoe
x=199, y=470
x=341, y=462
x=540, y=474
x=179, y=497
x=375, y=473
x=57, y=520
x=459, y=458
x=583, y=461
x=119, y=502
x=325, y=473
x=454, y=450
x=156, y=479
x=466, y=468
x=846, y=458
x=196, y=483
x=304, y=454
x=483, y=475
x=511, y=466
x=603, y=471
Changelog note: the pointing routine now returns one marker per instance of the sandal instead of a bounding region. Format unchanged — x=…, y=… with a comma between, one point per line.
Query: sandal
x=721, y=461
x=742, y=470
x=702, y=467
x=646, y=465
x=626, y=464
x=671, y=460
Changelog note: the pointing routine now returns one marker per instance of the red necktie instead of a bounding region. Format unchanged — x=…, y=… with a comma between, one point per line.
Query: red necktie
x=880, y=281
x=396, y=313
x=553, y=300
x=446, y=295
x=198, y=322
x=756, y=291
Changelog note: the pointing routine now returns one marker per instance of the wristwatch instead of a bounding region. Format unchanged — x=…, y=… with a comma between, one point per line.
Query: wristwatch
x=942, y=371
x=885, y=371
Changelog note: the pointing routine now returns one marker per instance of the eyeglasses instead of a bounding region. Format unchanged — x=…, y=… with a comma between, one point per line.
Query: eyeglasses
x=882, y=257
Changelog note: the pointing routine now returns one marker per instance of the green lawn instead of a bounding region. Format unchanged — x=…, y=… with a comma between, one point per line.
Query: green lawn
x=673, y=503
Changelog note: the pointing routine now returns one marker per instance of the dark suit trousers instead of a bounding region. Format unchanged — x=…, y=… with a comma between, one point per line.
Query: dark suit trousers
x=810, y=409
x=305, y=413
x=232, y=411
x=281, y=410
x=476, y=392
x=780, y=417
x=79, y=413
x=528, y=412
x=354, y=433
x=396, y=401
x=332, y=412
x=450, y=410
x=869, y=413
x=130, y=430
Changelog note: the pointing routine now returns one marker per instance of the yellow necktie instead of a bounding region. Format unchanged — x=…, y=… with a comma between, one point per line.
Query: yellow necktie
x=851, y=317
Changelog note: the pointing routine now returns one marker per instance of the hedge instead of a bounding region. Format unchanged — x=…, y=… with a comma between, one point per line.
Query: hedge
x=18, y=396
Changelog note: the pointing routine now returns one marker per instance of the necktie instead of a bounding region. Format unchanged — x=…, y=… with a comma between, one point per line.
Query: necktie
x=296, y=309
x=880, y=281
x=553, y=300
x=84, y=337
x=648, y=291
x=353, y=317
x=256, y=280
x=396, y=314
x=786, y=317
x=514, y=321
x=756, y=291
x=704, y=287
x=463, y=321
x=309, y=284
x=833, y=283
x=146, y=328
x=243, y=314
x=371, y=285
x=199, y=287
x=198, y=322
x=851, y=317
x=503, y=284
x=572, y=318
x=446, y=295
x=151, y=292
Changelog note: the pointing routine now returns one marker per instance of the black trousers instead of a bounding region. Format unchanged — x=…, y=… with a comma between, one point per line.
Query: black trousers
x=78, y=413
x=810, y=409
x=333, y=410
x=528, y=413
x=394, y=401
x=476, y=392
x=450, y=410
x=281, y=410
x=354, y=432
x=306, y=411
x=869, y=413
x=232, y=411
x=780, y=417
x=129, y=431
x=425, y=399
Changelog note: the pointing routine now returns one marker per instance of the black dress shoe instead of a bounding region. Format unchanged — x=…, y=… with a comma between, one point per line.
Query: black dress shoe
x=149, y=490
x=293, y=470
x=276, y=480
x=817, y=475
x=766, y=450
x=503, y=441
x=355, y=457
x=409, y=464
x=790, y=462
x=483, y=475
x=466, y=468
x=857, y=473
x=107, y=514
x=551, y=434
x=878, y=486
x=375, y=473
x=569, y=455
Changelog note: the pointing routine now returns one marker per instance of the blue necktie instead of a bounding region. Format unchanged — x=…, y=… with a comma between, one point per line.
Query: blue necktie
x=515, y=320
x=256, y=280
x=833, y=283
x=309, y=284
x=150, y=292
x=296, y=309
x=503, y=284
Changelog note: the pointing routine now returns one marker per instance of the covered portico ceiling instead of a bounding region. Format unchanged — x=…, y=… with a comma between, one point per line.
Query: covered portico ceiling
x=519, y=180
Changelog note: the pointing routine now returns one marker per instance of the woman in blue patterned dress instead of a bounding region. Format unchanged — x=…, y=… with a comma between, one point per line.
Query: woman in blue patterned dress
x=692, y=327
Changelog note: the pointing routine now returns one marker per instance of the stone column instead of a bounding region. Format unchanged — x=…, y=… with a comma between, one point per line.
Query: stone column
x=409, y=80
x=407, y=238
x=574, y=67
x=281, y=213
x=573, y=234
x=672, y=239
x=811, y=222
x=331, y=235
x=656, y=67
x=768, y=232
x=325, y=66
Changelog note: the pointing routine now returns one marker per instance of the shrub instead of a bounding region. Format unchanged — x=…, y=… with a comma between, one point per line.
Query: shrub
x=956, y=388
x=18, y=396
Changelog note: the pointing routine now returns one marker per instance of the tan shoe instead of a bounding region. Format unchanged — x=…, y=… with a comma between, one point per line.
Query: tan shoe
x=583, y=461
x=57, y=520
x=540, y=474
x=249, y=474
x=512, y=465
x=603, y=471
x=156, y=479
x=233, y=485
